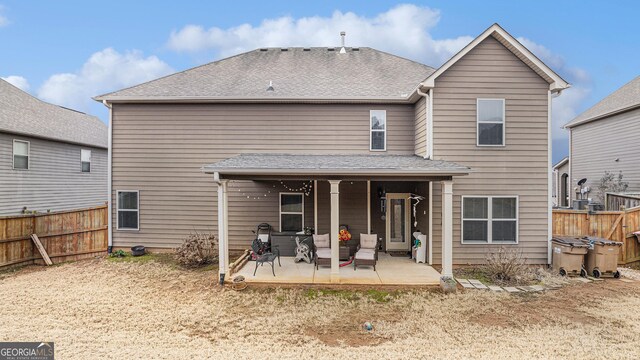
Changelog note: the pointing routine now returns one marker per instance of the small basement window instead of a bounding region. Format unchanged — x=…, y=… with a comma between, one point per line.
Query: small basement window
x=291, y=212
x=490, y=122
x=490, y=219
x=378, y=130
x=85, y=160
x=128, y=205
x=21, y=150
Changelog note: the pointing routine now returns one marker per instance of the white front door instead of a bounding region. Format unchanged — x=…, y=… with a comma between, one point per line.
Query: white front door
x=398, y=222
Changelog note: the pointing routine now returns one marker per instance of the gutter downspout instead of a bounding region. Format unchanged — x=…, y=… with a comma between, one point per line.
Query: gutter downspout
x=109, y=180
x=429, y=155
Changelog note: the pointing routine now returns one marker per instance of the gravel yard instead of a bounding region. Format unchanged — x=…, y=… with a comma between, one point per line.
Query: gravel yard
x=152, y=309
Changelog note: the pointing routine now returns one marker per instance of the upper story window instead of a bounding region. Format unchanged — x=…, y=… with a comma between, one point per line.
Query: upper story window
x=128, y=205
x=490, y=122
x=490, y=219
x=378, y=127
x=21, y=154
x=85, y=160
x=291, y=212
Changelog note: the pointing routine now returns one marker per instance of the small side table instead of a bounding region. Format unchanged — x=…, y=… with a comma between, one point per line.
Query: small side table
x=344, y=253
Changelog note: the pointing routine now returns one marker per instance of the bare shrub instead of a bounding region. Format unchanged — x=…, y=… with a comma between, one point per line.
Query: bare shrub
x=198, y=249
x=507, y=265
x=611, y=182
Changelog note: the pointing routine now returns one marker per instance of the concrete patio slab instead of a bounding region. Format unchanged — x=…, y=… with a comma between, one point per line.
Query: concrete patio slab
x=389, y=271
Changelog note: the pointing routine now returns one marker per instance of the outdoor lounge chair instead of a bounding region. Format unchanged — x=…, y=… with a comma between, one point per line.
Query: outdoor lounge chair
x=367, y=253
x=322, y=250
x=266, y=257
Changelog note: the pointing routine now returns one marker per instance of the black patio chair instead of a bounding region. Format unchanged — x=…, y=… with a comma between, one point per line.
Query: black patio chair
x=264, y=257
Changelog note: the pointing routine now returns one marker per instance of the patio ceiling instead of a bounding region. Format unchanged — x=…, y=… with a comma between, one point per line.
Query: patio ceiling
x=329, y=166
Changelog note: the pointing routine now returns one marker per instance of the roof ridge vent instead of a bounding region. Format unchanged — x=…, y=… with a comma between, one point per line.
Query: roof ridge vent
x=263, y=49
x=284, y=49
x=331, y=49
x=343, y=34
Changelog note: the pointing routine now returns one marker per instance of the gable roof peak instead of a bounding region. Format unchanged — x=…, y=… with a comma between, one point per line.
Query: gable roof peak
x=556, y=82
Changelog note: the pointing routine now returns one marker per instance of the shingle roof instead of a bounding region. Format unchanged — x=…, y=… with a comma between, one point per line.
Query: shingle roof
x=24, y=114
x=627, y=97
x=290, y=164
x=296, y=73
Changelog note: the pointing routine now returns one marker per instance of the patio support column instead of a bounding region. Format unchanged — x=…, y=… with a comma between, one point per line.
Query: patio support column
x=447, y=228
x=368, y=206
x=335, y=229
x=223, y=231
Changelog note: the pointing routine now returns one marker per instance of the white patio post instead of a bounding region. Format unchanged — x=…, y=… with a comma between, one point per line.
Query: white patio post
x=223, y=232
x=447, y=228
x=335, y=229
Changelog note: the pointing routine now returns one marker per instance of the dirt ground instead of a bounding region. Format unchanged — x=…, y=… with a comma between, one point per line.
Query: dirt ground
x=100, y=309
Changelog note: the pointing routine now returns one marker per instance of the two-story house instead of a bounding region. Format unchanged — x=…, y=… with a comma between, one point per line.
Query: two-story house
x=604, y=139
x=319, y=137
x=51, y=158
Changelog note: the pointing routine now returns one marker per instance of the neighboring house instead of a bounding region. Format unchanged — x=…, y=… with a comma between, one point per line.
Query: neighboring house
x=319, y=137
x=561, y=184
x=605, y=138
x=51, y=158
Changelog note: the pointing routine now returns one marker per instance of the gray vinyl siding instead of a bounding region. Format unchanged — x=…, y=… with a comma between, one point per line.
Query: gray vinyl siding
x=520, y=168
x=596, y=145
x=557, y=182
x=54, y=180
x=159, y=150
x=421, y=127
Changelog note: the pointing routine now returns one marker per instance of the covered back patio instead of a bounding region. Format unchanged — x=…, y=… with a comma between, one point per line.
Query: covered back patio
x=392, y=170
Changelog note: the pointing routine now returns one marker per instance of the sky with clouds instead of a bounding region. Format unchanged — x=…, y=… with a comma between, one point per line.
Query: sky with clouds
x=66, y=52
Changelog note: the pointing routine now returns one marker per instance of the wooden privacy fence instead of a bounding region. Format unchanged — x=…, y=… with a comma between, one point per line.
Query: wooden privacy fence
x=617, y=201
x=65, y=235
x=612, y=225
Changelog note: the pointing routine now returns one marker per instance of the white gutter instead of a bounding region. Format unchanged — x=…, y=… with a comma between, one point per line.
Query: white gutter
x=336, y=172
x=109, y=180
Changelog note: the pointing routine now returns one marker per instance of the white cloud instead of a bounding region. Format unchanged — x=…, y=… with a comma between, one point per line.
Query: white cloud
x=18, y=81
x=403, y=30
x=104, y=71
x=566, y=106
x=4, y=21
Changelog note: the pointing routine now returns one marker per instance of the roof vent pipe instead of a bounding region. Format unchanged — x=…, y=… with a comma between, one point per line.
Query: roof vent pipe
x=270, y=88
x=343, y=35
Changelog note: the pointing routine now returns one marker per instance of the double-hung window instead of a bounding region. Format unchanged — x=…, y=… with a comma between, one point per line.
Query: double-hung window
x=378, y=130
x=128, y=210
x=85, y=160
x=490, y=219
x=490, y=122
x=21, y=155
x=291, y=212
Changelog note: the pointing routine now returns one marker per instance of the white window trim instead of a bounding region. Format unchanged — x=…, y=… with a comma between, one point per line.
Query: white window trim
x=130, y=210
x=503, y=122
x=289, y=212
x=90, y=154
x=490, y=220
x=371, y=131
x=13, y=154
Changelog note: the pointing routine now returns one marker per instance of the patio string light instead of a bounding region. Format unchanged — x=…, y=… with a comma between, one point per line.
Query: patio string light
x=306, y=188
